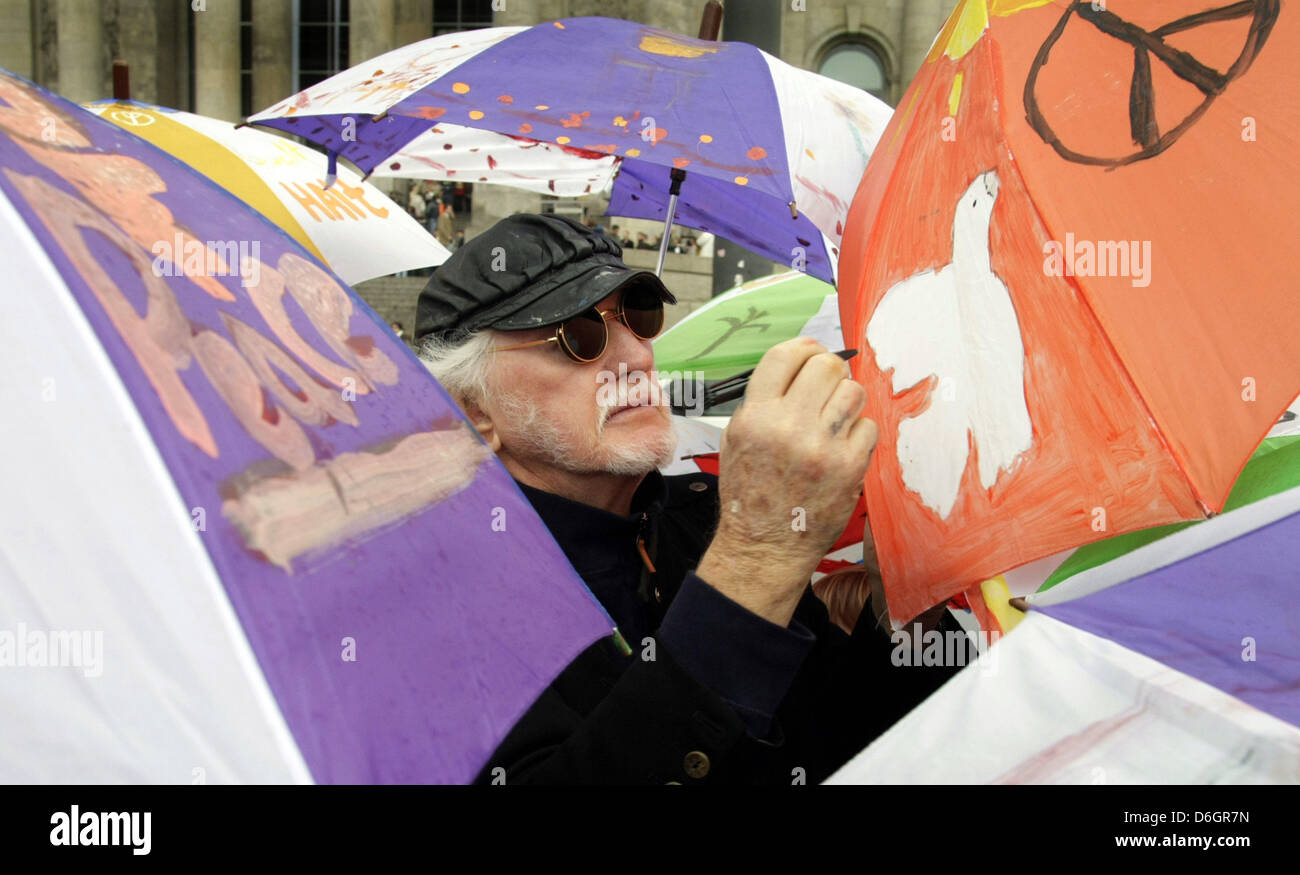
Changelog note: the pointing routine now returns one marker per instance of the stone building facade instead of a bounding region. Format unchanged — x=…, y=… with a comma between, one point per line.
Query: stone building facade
x=225, y=57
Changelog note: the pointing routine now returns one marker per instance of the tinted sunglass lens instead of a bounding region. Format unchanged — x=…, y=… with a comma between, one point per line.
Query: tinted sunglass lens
x=584, y=336
x=643, y=311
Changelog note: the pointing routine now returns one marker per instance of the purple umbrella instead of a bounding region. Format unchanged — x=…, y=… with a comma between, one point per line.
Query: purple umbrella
x=290, y=555
x=771, y=153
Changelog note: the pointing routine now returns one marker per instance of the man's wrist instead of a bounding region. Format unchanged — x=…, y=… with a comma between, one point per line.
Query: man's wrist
x=765, y=581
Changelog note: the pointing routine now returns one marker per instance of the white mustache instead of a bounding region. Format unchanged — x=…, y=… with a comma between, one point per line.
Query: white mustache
x=637, y=388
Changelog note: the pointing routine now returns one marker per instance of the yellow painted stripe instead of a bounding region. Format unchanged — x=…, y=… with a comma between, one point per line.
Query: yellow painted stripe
x=997, y=596
x=954, y=96
x=215, y=161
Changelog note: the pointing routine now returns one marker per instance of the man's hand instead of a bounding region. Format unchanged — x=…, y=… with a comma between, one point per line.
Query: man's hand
x=791, y=468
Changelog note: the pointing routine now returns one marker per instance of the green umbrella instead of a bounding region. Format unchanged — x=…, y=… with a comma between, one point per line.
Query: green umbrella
x=730, y=333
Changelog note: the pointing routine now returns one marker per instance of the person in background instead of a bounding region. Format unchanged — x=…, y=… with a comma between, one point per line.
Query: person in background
x=415, y=204
x=460, y=240
x=431, y=220
x=446, y=232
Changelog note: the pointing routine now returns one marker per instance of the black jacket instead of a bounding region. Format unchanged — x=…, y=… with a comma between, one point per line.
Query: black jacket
x=644, y=718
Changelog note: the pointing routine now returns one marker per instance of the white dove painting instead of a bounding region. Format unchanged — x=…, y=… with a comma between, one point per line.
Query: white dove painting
x=958, y=325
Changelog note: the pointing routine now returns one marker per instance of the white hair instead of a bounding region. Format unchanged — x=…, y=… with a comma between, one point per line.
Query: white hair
x=460, y=366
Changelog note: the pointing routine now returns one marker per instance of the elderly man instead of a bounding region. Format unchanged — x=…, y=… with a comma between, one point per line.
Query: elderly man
x=735, y=673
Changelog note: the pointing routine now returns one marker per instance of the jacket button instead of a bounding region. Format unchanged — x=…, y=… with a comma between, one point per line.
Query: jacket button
x=659, y=597
x=696, y=764
x=698, y=486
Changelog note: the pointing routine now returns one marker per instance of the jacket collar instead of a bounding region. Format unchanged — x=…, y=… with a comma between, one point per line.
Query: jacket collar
x=592, y=537
x=594, y=540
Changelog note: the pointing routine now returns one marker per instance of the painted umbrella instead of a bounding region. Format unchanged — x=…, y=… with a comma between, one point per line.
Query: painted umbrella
x=350, y=225
x=1273, y=468
x=770, y=152
x=1183, y=671
x=1068, y=269
x=249, y=538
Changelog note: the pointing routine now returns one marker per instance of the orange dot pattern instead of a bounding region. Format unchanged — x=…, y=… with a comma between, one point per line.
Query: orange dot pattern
x=577, y=120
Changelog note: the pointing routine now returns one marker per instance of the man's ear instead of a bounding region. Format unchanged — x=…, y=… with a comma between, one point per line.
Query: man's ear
x=482, y=424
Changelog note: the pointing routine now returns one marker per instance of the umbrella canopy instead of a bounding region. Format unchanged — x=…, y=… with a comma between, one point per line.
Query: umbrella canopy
x=769, y=150
x=1073, y=296
x=1185, y=672
x=731, y=332
x=1274, y=468
x=251, y=539
x=350, y=225
x=457, y=153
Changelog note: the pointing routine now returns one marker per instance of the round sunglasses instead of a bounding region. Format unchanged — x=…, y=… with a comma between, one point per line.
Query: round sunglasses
x=584, y=337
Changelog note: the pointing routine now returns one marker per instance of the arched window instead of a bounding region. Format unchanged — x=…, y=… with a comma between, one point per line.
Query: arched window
x=857, y=63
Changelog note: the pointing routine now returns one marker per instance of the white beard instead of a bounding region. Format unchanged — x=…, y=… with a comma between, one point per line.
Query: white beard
x=540, y=438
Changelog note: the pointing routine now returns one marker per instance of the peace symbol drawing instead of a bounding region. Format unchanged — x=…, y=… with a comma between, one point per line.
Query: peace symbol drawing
x=1146, y=45
x=132, y=117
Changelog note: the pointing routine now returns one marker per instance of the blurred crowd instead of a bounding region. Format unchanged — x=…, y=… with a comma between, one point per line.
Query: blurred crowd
x=436, y=205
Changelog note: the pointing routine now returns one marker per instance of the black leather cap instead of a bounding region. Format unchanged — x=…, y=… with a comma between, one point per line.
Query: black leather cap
x=525, y=271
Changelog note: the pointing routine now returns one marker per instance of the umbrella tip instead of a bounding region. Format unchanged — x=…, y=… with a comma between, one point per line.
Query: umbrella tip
x=1019, y=604
x=332, y=171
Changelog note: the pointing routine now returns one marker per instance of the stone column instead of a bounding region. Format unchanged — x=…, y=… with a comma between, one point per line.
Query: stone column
x=272, y=52
x=922, y=20
x=135, y=41
x=83, y=70
x=371, y=29
x=16, y=38
x=413, y=21
x=173, y=55
x=216, y=60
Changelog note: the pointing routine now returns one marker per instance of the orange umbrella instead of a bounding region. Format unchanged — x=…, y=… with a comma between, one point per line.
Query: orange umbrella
x=1069, y=266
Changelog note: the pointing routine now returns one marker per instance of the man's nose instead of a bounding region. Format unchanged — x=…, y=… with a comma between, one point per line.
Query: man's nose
x=626, y=348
